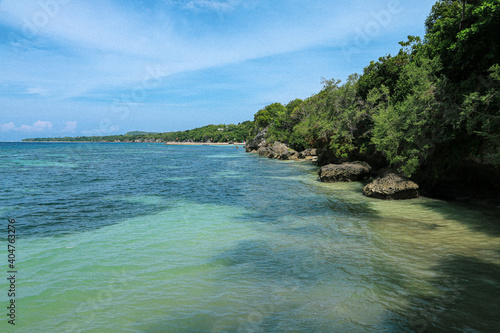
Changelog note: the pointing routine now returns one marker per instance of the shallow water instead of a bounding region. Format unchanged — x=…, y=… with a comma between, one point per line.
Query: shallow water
x=156, y=238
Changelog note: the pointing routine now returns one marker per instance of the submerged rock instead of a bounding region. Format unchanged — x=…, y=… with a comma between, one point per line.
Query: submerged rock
x=345, y=172
x=391, y=186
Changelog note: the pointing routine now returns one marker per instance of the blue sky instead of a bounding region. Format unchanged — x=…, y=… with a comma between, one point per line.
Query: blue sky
x=71, y=67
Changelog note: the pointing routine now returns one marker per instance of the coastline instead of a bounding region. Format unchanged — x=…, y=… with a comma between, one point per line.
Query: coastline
x=170, y=143
x=203, y=144
x=474, y=193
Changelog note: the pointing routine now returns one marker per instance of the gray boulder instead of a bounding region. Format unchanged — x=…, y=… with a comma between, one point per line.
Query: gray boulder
x=264, y=151
x=279, y=149
x=309, y=152
x=391, y=186
x=345, y=172
x=257, y=142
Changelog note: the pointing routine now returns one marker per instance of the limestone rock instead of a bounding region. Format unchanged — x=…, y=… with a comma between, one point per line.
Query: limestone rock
x=257, y=142
x=345, y=172
x=391, y=186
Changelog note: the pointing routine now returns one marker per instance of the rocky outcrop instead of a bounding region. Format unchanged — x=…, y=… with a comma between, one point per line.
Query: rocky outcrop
x=345, y=172
x=278, y=151
x=257, y=142
x=391, y=186
x=310, y=154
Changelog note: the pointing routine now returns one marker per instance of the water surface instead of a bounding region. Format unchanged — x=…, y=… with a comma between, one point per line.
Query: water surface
x=156, y=238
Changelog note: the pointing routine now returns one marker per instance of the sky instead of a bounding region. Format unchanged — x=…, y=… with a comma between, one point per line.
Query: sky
x=80, y=68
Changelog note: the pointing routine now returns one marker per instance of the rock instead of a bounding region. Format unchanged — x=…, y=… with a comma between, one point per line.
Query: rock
x=264, y=151
x=257, y=142
x=293, y=155
x=290, y=154
x=279, y=148
x=391, y=186
x=345, y=172
x=279, y=151
x=309, y=152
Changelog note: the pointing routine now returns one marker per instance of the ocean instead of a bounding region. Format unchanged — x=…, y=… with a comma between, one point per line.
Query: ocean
x=115, y=237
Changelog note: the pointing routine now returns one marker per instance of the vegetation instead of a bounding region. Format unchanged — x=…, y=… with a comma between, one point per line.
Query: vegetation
x=210, y=133
x=432, y=106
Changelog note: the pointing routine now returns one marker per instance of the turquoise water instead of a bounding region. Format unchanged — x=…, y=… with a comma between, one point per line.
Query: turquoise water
x=156, y=238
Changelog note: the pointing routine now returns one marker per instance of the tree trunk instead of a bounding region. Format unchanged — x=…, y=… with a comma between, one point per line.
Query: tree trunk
x=464, y=3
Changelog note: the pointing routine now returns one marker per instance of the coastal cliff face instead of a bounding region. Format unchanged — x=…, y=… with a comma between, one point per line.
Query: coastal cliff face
x=279, y=151
x=388, y=185
x=472, y=182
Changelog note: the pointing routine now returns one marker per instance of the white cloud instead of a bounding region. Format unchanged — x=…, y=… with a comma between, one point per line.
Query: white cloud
x=196, y=5
x=117, y=48
x=70, y=126
x=216, y=5
x=8, y=127
x=36, y=91
x=87, y=55
x=38, y=126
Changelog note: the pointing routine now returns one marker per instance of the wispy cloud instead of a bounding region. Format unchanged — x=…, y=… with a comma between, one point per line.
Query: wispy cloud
x=38, y=126
x=70, y=126
x=213, y=5
x=107, y=44
x=36, y=91
x=216, y=5
x=105, y=130
x=67, y=58
x=7, y=127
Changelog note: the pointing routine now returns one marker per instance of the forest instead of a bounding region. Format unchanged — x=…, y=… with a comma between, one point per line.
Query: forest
x=432, y=111
x=209, y=133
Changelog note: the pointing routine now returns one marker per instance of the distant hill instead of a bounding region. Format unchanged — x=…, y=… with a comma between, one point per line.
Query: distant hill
x=140, y=133
x=208, y=133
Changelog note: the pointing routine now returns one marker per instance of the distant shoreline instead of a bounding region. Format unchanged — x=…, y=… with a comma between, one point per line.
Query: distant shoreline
x=170, y=143
x=203, y=143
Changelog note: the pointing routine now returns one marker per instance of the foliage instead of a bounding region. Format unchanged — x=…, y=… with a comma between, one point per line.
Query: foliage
x=430, y=106
x=403, y=130
x=481, y=117
x=267, y=115
x=209, y=133
x=468, y=47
